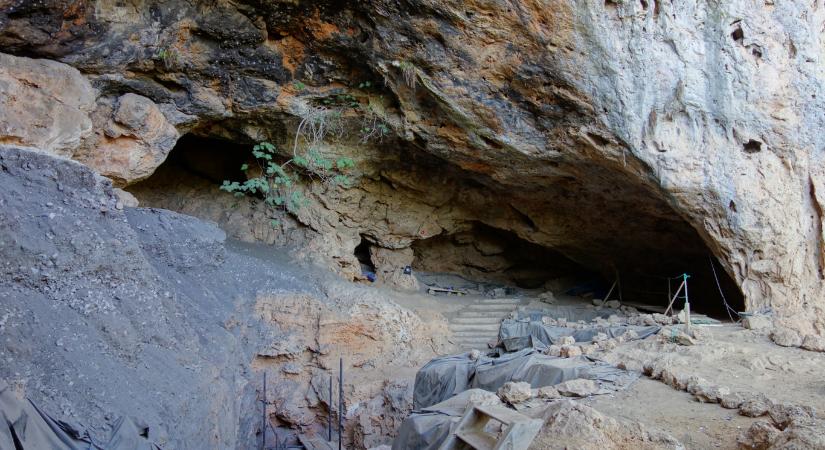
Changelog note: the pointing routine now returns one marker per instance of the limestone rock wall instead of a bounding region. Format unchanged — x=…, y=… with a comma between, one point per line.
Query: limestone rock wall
x=618, y=133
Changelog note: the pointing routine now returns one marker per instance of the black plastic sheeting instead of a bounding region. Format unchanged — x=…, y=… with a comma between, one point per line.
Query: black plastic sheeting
x=445, y=377
x=428, y=428
x=23, y=426
x=518, y=334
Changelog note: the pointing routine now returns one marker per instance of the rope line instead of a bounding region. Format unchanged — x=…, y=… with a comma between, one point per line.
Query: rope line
x=718, y=286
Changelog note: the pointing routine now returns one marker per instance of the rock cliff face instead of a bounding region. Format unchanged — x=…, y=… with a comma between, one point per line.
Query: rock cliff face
x=109, y=312
x=625, y=135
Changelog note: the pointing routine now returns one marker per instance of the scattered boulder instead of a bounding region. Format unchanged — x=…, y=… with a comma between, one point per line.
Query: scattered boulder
x=783, y=414
x=567, y=340
x=515, y=392
x=615, y=304
x=548, y=392
x=598, y=302
x=710, y=393
x=134, y=138
x=696, y=384
x=589, y=349
x=755, y=406
x=732, y=400
x=553, y=350
x=798, y=435
x=786, y=337
x=684, y=339
x=674, y=379
x=757, y=322
x=579, y=387
x=569, y=351
x=758, y=437
x=814, y=343
x=805, y=435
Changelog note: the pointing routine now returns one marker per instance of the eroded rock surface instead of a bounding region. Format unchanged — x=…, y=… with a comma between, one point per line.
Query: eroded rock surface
x=607, y=131
x=574, y=425
x=149, y=313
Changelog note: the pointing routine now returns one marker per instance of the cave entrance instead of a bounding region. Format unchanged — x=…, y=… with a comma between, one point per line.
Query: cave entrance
x=710, y=289
x=196, y=161
x=491, y=257
x=487, y=257
x=362, y=254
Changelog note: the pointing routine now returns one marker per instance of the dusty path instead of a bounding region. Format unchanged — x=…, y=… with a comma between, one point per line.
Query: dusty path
x=656, y=405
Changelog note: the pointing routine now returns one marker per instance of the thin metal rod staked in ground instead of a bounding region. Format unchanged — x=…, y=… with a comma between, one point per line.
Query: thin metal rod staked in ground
x=263, y=417
x=340, y=402
x=329, y=416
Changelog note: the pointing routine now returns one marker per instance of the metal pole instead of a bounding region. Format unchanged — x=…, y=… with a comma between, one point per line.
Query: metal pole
x=329, y=416
x=340, y=401
x=263, y=418
x=687, y=307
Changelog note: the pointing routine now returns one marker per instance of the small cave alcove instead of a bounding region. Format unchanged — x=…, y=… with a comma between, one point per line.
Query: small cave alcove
x=195, y=166
x=362, y=254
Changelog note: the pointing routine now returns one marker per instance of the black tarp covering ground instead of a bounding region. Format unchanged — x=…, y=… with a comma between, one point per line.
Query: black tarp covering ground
x=518, y=334
x=445, y=377
x=23, y=426
x=427, y=428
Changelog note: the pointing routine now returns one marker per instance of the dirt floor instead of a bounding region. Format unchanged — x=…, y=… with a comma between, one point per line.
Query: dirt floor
x=726, y=355
x=656, y=405
x=740, y=359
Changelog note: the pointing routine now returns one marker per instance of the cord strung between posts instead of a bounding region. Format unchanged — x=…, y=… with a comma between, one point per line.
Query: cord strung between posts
x=718, y=286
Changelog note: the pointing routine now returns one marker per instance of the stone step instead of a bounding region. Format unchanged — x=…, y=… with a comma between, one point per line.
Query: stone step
x=491, y=308
x=474, y=327
x=501, y=301
x=483, y=320
x=474, y=335
x=496, y=315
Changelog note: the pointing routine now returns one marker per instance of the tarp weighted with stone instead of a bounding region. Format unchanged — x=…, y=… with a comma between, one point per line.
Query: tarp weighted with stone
x=514, y=334
x=429, y=427
x=445, y=377
x=24, y=426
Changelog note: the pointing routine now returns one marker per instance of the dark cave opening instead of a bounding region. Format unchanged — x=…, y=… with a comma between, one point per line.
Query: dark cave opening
x=493, y=255
x=648, y=282
x=362, y=254
x=193, y=172
x=645, y=243
x=212, y=159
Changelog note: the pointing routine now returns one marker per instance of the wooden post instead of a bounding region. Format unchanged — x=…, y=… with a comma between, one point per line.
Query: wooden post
x=670, y=305
x=607, y=297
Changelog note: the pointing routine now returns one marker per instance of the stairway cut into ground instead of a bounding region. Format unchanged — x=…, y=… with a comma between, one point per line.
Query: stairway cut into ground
x=477, y=324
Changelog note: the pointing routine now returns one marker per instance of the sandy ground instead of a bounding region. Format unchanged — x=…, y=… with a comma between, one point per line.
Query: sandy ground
x=656, y=405
x=728, y=355
x=740, y=359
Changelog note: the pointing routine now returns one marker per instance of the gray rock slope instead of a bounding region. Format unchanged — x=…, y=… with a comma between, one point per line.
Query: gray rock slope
x=105, y=312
